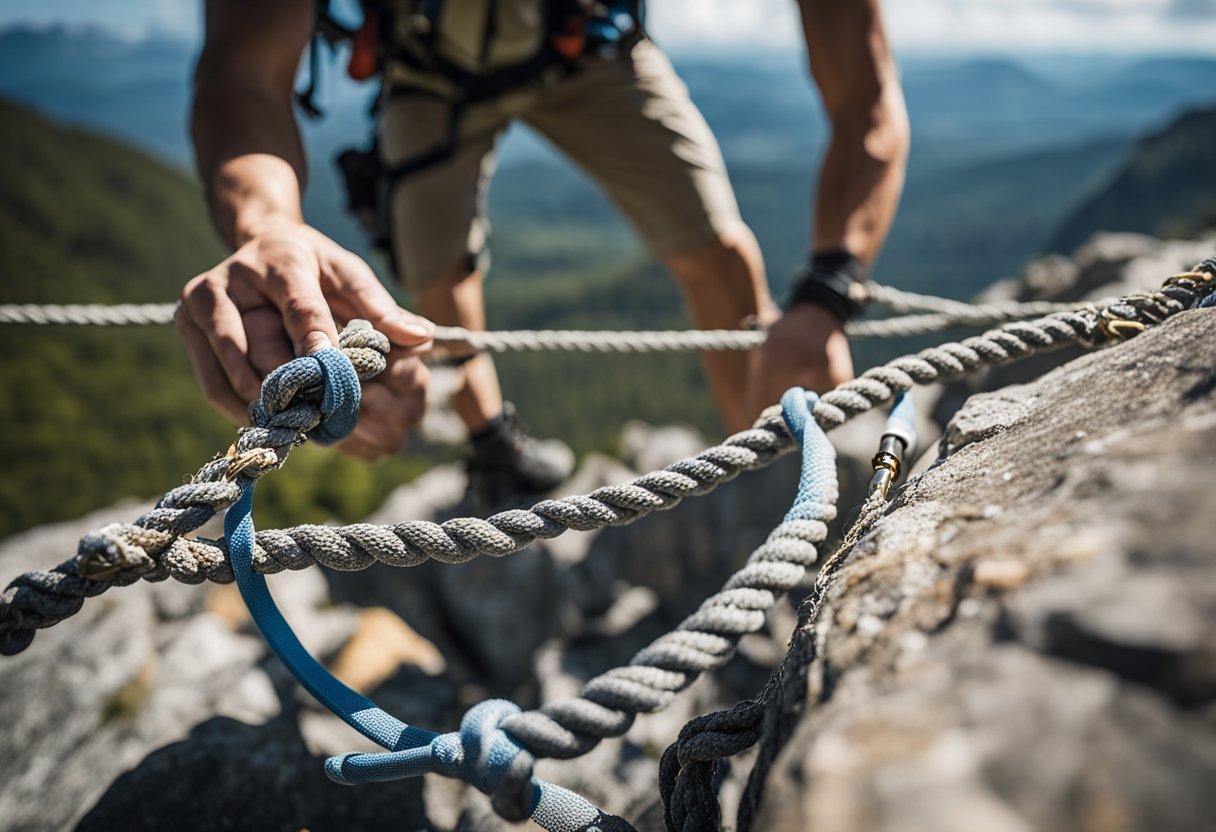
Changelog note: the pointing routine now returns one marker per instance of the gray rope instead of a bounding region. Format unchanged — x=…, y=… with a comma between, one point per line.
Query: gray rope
x=903, y=301
x=154, y=547
x=88, y=314
x=946, y=314
x=688, y=768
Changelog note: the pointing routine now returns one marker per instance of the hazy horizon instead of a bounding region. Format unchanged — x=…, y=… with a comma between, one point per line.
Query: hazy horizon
x=702, y=28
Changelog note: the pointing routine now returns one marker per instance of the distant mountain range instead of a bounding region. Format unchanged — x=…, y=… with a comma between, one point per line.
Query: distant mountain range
x=977, y=116
x=1165, y=187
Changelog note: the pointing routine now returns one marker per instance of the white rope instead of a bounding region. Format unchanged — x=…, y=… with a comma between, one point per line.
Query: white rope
x=88, y=314
x=944, y=313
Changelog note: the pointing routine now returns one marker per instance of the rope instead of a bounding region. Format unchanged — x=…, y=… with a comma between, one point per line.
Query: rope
x=496, y=746
x=479, y=753
x=153, y=547
x=901, y=300
x=946, y=314
x=291, y=408
x=88, y=314
x=705, y=640
x=688, y=768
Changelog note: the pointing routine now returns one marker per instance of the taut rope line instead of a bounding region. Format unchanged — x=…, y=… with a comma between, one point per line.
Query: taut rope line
x=944, y=313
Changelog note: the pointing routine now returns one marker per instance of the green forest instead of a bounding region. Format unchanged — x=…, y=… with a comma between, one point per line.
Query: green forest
x=98, y=414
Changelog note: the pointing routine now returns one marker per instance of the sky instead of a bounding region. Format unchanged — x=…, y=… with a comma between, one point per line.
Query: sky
x=700, y=26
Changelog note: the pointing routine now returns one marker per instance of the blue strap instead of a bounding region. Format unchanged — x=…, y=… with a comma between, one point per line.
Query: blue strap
x=818, y=475
x=480, y=753
x=340, y=397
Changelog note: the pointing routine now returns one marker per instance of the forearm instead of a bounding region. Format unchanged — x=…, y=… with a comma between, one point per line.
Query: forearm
x=863, y=170
x=860, y=182
x=249, y=155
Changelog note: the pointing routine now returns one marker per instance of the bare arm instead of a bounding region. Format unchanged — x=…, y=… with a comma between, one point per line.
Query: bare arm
x=246, y=142
x=859, y=185
x=863, y=171
x=286, y=286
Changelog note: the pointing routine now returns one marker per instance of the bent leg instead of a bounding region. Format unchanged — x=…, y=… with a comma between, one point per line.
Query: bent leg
x=438, y=227
x=723, y=285
x=456, y=299
x=631, y=124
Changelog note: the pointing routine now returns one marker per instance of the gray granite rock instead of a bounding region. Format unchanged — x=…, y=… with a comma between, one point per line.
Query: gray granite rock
x=1024, y=639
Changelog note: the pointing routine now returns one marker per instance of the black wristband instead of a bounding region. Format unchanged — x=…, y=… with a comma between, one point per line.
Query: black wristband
x=828, y=280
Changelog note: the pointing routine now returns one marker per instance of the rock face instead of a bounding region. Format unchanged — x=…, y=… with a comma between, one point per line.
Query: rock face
x=1020, y=642
x=1024, y=639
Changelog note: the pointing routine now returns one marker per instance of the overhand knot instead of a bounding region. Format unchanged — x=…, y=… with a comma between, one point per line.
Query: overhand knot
x=485, y=757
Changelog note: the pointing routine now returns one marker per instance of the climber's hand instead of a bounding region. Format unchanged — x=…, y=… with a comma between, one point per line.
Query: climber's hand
x=394, y=403
x=806, y=347
x=282, y=294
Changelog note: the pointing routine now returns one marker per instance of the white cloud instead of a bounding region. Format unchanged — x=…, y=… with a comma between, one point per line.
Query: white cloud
x=953, y=25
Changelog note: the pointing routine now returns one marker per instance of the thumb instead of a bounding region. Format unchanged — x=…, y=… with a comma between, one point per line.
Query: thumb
x=403, y=328
x=373, y=302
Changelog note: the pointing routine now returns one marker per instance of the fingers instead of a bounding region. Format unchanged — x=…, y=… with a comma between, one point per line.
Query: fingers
x=211, y=376
x=217, y=320
x=365, y=297
x=394, y=404
x=361, y=449
x=293, y=286
x=269, y=346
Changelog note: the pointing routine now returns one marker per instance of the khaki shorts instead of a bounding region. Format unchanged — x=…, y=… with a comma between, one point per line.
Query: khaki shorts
x=628, y=122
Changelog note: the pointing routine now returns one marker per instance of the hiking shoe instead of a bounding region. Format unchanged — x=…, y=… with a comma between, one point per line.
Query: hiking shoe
x=508, y=467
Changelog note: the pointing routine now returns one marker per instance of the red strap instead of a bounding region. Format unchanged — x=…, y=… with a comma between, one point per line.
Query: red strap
x=571, y=41
x=364, y=55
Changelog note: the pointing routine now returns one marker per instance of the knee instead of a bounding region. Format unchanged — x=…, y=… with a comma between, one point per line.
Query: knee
x=438, y=289
x=731, y=257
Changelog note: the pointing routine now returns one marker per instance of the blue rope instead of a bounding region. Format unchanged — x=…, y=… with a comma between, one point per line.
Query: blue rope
x=902, y=421
x=818, y=456
x=479, y=753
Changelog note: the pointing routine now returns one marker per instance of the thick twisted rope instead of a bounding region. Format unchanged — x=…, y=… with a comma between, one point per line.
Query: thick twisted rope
x=705, y=640
x=41, y=599
x=688, y=768
x=153, y=547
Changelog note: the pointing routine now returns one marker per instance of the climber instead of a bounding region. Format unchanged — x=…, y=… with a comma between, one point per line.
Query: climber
x=592, y=83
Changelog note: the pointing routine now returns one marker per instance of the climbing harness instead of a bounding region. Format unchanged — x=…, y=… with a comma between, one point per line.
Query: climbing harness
x=317, y=397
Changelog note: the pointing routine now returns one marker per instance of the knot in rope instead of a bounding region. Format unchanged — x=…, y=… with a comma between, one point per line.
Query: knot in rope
x=480, y=754
x=485, y=757
x=325, y=381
